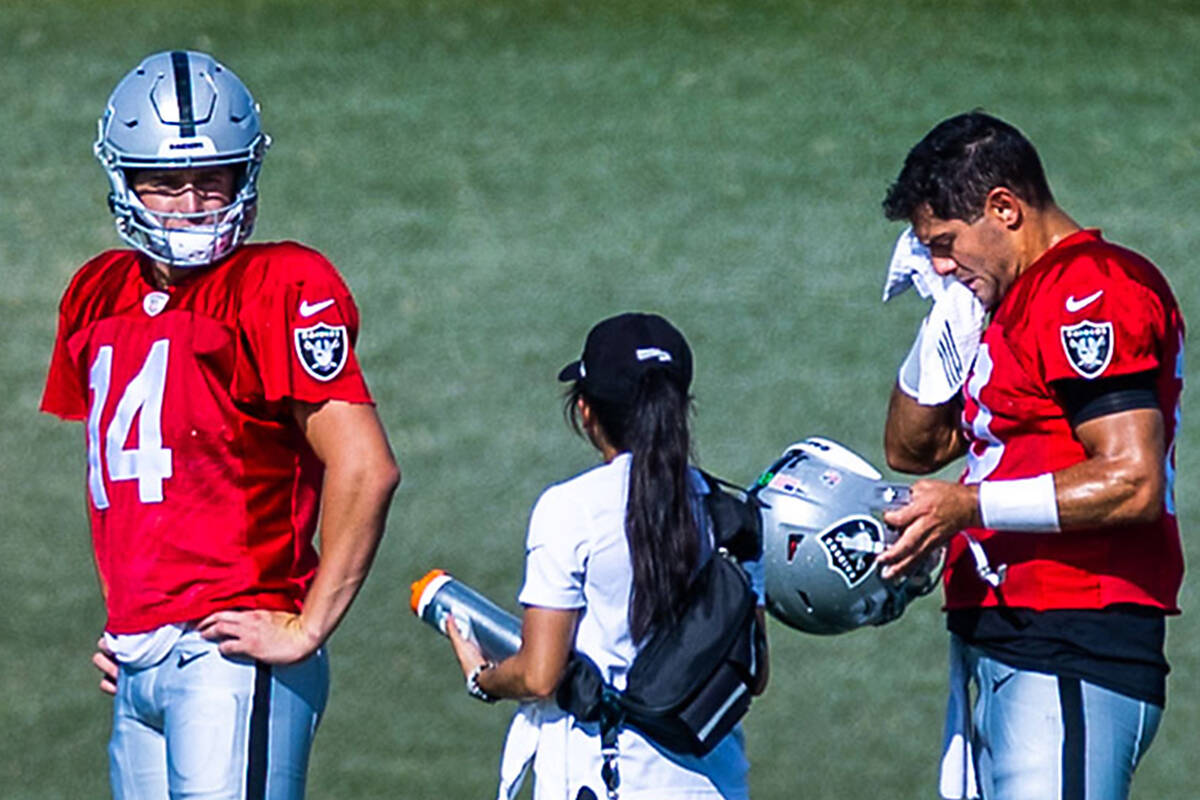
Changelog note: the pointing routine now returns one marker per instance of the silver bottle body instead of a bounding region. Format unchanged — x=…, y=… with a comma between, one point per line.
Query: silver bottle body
x=496, y=631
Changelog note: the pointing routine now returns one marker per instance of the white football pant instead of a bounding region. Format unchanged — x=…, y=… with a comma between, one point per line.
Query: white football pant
x=199, y=725
x=1046, y=737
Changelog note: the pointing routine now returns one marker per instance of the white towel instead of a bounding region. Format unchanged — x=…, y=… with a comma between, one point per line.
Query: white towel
x=949, y=335
x=957, y=778
x=910, y=266
x=520, y=746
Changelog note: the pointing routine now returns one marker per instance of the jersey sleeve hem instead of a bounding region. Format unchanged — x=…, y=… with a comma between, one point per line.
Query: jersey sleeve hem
x=316, y=398
x=63, y=414
x=560, y=603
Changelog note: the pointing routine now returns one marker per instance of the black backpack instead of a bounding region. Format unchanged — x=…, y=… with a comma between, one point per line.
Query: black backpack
x=691, y=682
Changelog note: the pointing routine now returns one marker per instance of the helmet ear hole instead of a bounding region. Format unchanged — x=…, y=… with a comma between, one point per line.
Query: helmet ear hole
x=794, y=540
x=241, y=174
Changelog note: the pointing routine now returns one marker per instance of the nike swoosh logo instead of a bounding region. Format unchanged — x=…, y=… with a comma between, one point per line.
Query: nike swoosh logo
x=185, y=659
x=1074, y=305
x=308, y=309
x=1001, y=681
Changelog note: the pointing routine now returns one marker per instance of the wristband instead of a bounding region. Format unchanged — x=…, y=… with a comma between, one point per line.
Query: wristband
x=1027, y=504
x=473, y=687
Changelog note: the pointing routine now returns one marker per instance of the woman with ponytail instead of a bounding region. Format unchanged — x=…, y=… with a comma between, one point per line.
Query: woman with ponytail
x=609, y=556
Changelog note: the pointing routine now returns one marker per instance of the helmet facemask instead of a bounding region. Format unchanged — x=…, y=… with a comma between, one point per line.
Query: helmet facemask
x=205, y=238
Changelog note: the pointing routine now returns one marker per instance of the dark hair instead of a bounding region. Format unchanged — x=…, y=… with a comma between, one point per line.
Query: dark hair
x=958, y=162
x=659, y=524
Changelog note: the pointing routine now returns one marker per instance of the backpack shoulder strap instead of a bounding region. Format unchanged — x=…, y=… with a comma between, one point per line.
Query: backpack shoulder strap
x=737, y=526
x=612, y=717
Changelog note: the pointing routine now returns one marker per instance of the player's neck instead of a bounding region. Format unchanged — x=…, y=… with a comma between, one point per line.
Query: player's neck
x=165, y=276
x=162, y=275
x=1045, y=228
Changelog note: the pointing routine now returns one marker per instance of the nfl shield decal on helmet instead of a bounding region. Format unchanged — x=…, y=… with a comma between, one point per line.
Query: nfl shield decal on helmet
x=322, y=350
x=1089, y=346
x=851, y=546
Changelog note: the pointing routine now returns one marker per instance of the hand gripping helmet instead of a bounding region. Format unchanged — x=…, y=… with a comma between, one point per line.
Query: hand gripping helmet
x=177, y=110
x=821, y=535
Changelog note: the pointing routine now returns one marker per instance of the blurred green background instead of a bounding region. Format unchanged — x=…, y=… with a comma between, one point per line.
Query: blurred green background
x=494, y=177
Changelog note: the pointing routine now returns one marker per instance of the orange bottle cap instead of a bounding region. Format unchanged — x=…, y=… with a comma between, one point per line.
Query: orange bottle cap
x=418, y=588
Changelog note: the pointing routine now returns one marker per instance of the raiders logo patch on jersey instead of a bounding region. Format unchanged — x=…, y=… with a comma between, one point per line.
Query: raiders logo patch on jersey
x=322, y=350
x=851, y=546
x=1089, y=346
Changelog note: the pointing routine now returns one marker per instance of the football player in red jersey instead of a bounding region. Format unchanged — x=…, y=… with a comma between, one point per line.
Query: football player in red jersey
x=225, y=414
x=1069, y=558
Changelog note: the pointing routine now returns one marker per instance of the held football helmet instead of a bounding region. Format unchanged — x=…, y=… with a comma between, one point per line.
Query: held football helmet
x=178, y=110
x=820, y=506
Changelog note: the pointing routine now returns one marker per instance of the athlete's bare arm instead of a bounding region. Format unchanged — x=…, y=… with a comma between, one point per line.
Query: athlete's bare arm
x=1121, y=482
x=920, y=439
x=360, y=477
x=1124, y=477
x=534, y=671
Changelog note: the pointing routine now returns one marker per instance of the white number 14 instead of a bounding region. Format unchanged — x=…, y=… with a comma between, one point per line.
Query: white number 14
x=149, y=462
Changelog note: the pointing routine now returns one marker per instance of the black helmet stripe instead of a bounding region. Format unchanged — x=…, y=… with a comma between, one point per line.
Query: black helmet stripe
x=183, y=93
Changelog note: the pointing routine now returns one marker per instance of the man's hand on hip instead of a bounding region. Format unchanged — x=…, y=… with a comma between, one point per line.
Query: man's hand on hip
x=274, y=637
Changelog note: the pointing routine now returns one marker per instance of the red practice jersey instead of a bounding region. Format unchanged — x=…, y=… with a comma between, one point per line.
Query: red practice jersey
x=1086, y=309
x=203, y=492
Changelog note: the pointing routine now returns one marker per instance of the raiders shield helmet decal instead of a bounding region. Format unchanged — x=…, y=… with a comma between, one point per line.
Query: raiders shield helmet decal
x=851, y=546
x=322, y=350
x=1089, y=346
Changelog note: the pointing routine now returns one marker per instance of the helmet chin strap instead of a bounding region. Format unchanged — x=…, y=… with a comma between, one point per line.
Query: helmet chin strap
x=992, y=576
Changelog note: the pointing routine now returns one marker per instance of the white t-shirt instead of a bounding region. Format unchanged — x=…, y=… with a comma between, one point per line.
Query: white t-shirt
x=577, y=557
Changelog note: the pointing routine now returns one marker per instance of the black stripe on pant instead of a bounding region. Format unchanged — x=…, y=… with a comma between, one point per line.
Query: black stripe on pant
x=1074, y=744
x=260, y=726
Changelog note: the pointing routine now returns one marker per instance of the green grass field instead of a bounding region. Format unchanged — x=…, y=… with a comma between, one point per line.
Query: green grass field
x=494, y=177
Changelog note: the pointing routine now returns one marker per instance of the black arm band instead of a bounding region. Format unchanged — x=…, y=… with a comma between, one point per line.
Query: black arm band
x=1085, y=400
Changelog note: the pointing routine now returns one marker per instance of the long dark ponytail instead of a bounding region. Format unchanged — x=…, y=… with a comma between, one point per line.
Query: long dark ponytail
x=659, y=523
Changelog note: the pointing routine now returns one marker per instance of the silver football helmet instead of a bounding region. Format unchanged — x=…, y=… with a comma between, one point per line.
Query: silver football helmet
x=176, y=110
x=820, y=505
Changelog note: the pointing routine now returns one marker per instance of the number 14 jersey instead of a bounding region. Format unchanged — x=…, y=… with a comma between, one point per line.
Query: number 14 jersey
x=203, y=492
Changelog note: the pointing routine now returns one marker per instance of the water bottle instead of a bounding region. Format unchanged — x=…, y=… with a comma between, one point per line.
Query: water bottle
x=496, y=631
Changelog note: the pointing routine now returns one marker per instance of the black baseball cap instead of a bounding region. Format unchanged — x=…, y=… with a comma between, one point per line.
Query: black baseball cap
x=620, y=349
